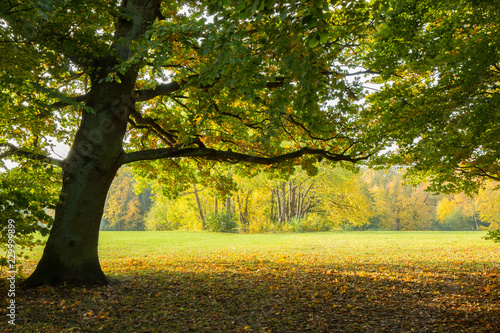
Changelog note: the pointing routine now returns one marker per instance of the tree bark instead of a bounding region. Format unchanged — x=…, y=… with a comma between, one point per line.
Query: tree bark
x=272, y=213
x=71, y=252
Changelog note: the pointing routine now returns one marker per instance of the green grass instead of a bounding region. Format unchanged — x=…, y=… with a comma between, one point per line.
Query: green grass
x=284, y=282
x=422, y=248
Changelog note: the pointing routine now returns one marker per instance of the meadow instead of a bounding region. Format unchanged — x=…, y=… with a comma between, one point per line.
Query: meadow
x=284, y=282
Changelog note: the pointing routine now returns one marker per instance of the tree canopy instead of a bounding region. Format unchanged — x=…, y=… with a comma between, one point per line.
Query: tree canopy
x=439, y=108
x=250, y=82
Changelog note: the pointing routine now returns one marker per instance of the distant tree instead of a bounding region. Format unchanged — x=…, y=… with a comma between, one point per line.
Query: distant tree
x=181, y=212
x=343, y=197
x=488, y=205
x=475, y=212
x=292, y=199
x=399, y=206
x=124, y=209
x=458, y=221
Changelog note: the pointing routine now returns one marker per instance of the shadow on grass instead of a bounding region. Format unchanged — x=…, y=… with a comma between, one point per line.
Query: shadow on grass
x=269, y=297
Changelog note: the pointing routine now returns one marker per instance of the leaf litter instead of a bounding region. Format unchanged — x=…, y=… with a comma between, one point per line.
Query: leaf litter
x=235, y=290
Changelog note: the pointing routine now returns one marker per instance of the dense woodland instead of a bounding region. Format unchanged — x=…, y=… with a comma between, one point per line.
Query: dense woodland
x=334, y=198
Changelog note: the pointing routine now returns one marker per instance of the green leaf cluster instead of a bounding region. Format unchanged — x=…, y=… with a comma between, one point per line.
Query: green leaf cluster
x=438, y=108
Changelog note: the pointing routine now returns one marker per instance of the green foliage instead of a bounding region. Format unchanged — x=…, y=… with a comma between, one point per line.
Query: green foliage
x=312, y=222
x=458, y=221
x=439, y=65
x=221, y=222
x=159, y=218
x=31, y=207
x=256, y=83
x=493, y=235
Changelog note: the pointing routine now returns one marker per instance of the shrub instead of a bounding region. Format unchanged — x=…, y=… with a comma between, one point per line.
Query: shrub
x=221, y=222
x=493, y=235
x=312, y=222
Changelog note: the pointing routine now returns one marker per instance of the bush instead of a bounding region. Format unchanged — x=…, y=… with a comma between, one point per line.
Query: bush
x=222, y=222
x=493, y=235
x=312, y=222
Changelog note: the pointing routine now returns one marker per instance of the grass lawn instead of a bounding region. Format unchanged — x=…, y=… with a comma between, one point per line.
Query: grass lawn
x=311, y=282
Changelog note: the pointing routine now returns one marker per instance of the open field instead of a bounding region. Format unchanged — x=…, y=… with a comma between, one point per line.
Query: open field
x=312, y=282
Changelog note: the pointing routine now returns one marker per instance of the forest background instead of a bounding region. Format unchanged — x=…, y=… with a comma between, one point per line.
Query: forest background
x=336, y=198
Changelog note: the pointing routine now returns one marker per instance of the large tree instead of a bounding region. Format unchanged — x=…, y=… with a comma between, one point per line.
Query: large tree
x=439, y=105
x=181, y=84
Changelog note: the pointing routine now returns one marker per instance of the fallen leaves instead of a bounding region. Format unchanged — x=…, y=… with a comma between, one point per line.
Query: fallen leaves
x=273, y=289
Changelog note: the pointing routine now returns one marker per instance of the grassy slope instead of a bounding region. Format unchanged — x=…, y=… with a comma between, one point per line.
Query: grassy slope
x=317, y=282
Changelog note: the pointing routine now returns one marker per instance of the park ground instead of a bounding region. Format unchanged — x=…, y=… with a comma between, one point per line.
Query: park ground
x=310, y=282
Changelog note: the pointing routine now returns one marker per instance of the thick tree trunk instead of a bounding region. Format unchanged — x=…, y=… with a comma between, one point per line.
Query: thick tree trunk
x=96, y=155
x=71, y=251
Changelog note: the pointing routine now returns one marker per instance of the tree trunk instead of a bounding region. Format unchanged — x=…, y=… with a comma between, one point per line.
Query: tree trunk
x=71, y=251
x=228, y=206
x=279, y=206
x=95, y=157
x=198, y=203
x=272, y=214
x=284, y=205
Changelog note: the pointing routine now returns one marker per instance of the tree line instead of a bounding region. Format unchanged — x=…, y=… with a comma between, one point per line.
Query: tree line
x=334, y=198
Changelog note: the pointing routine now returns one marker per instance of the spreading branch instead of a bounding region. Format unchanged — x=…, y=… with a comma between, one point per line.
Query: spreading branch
x=160, y=90
x=62, y=104
x=230, y=156
x=475, y=170
x=14, y=150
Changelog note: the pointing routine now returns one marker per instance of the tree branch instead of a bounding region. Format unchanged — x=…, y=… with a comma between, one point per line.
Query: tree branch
x=161, y=89
x=137, y=121
x=13, y=150
x=230, y=156
x=477, y=171
x=77, y=99
x=168, y=88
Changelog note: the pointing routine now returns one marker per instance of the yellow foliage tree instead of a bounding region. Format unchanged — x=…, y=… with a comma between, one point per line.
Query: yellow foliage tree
x=398, y=206
x=488, y=205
